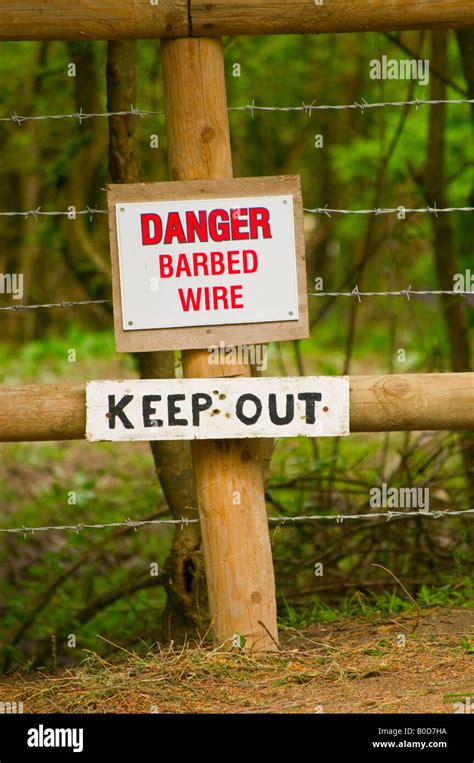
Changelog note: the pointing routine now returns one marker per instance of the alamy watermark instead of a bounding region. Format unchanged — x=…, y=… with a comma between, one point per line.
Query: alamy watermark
x=385, y=497
x=11, y=708
x=467, y=706
x=463, y=282
x=392, y=68
x=12, y=283
x=243, y=355
x=51, y=737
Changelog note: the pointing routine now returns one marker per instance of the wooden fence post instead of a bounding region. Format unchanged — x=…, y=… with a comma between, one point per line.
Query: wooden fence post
x=228, y=474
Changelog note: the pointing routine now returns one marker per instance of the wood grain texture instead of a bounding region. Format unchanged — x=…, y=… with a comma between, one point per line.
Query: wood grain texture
x=138, y=19
x=411, y=402
x=92, y=19
x=397, y=403
x=256, y=17
x=199, y=337
x=35, y=413
x=228, y=473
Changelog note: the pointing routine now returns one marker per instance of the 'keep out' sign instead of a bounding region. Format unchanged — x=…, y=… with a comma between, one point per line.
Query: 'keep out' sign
x=190, y=409
x=207, y=262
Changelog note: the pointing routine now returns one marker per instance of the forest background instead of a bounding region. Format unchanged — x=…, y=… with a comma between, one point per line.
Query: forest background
x=56, y=584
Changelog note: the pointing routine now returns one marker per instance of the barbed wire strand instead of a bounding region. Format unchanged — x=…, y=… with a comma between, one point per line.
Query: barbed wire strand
x=79, y=527
x=361, y=105
x=80, y=115
x=407, y=293
x=70, y=213
x=307, y=108
x=328, y=211
x=388, y=515
x=63, y=303
x=338, y=518
x=401, y=209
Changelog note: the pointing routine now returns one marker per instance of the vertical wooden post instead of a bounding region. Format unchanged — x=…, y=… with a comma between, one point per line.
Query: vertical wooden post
x=228, y=474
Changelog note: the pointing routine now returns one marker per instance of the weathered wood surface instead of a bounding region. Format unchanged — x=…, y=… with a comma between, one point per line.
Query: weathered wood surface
x=256, y=17
x=92, y=19
x=411, y=402
x=228, y=473
x=140, y=19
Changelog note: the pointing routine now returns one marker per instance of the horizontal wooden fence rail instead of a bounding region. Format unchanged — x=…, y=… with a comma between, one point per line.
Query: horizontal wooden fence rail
x=228, y=17
x=93, y=19
x=140, y=19
x=400, y=402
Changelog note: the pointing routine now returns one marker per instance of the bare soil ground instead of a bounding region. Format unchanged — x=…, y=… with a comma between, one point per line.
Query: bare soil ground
x=344, y=666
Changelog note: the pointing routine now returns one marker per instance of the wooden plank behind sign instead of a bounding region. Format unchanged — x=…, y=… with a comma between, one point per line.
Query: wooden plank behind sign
x=200, y=337
x=216, y=409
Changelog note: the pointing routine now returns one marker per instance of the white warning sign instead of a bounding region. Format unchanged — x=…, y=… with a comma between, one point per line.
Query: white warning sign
x=188, y=409
x=207, y=262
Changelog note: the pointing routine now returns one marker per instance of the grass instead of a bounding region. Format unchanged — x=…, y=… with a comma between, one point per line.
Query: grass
x=331, y=667
x=467, y=643
x=386, y=604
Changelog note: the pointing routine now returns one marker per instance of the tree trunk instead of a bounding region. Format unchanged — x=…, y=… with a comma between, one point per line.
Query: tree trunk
x=465, y=38
x=82, y=253
x=444, y=245
x=185, y=615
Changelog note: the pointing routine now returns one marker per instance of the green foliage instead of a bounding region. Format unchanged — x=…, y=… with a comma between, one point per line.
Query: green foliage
x=386, y=604
x=467, y=644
